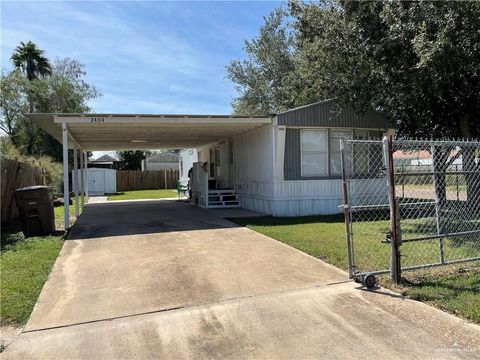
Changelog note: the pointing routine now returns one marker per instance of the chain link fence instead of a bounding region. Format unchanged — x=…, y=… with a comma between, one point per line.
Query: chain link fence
x=410, y=204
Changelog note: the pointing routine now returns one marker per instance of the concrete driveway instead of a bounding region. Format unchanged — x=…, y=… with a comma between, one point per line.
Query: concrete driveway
x=166, y=280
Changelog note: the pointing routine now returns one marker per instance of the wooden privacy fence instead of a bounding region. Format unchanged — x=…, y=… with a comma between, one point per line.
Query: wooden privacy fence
x=128, y=180
x=15, y=175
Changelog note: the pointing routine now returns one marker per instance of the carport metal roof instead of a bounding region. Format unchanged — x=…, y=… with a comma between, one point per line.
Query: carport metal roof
x=84, y=132
x=142, y=131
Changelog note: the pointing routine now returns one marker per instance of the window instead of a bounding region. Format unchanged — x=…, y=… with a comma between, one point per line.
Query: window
x=321, y=155
x=361, y=159
x=314, y=152
x=335, y=155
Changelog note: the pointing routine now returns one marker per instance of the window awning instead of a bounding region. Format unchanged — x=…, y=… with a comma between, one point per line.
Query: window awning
x=140, y=131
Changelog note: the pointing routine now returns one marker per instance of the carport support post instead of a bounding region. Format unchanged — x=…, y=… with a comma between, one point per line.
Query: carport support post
x=75, y=178
x=82, y=182
x=85, y=175
x=66, y=190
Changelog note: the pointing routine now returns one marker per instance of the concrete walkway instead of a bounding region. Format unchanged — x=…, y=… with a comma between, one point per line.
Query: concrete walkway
x=167, y=280
x=97, y=199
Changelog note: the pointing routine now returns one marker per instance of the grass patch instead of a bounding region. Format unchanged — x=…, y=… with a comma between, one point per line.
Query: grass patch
x=321, y=237
x=25, y=265
x=59, y=212
x=59, y=221
x=454, y=288
x=449, y=288
x=144, y=194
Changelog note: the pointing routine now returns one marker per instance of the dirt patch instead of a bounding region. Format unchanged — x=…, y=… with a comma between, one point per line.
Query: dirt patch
x=8, y=334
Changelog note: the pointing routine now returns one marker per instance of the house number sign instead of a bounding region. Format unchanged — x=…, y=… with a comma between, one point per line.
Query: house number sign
x=97, y=119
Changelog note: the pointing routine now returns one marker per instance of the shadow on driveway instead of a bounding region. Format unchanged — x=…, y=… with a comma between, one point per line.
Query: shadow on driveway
x=142, y=217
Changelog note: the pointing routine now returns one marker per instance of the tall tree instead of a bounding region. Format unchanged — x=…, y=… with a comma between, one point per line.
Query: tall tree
x=65, y=90
x=31, y=61
x=132, y=159
x=416, y=62
x=263, y=79
x=13, y=101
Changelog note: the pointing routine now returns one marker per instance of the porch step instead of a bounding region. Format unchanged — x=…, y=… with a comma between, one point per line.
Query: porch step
x=223, y=198
x=220, y=191
x=224, y=206
x=228, y=197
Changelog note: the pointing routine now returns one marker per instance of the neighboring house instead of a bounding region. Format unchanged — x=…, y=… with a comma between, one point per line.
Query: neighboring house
x=290, y=167
x=408, y=158
x=163, y=161
x=105, y=162
x=423, y=159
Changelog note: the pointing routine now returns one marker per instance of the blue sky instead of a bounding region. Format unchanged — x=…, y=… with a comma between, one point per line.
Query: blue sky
x=145, y=57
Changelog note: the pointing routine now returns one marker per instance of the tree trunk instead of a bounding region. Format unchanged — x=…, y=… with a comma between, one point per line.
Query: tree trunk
x=439, y=158
x=470, y=168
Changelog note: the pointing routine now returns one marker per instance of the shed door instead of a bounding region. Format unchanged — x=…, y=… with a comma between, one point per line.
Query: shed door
x=96, y=183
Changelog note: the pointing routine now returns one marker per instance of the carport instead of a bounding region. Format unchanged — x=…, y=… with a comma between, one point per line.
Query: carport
x=93, y=132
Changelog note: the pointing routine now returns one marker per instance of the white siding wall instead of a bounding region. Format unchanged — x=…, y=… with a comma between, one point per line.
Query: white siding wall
x=258, y=170
x=224, y=163
x=203, y=153
x=204, y=156
x=261, y=187
x=188, y=158
x=322, y=197
x=254, y=169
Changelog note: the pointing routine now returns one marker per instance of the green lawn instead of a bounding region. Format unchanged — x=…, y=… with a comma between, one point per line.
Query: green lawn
x=324, y=238
x=59, y=212
x=144, y=194
x=25, y=265
x=59, y=224
x=454, y=289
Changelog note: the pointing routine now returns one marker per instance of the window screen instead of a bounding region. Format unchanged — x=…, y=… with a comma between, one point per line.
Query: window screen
x=335, y=156
x=314, y=152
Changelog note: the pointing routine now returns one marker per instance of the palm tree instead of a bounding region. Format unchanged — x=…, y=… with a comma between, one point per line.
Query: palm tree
x=31, y=61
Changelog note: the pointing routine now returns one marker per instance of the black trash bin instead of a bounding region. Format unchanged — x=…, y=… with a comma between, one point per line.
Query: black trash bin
x=35, y=206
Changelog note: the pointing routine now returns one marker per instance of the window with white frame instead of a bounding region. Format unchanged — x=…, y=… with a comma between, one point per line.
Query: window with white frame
x=335, y=155
x=314, y=152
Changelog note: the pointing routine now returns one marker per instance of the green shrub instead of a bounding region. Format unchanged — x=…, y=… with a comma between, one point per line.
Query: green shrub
x=52, y=170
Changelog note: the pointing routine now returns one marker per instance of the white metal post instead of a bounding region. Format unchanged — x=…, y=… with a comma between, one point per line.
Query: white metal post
x=66, y=190
x=346, y=209
x=82, y=182
x=85, y=180
x=75, y=178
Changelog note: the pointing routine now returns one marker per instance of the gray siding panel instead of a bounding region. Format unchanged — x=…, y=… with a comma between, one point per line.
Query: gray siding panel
x=292, y=163
x=326, y=114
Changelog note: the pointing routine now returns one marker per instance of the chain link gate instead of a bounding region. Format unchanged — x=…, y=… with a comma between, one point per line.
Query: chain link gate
x=410, y=204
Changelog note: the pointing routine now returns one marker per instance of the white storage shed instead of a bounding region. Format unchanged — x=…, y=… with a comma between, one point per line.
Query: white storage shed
x=101, y=181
